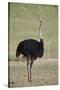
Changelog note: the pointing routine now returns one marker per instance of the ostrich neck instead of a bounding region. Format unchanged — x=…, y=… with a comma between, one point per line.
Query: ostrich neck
x=40, y=32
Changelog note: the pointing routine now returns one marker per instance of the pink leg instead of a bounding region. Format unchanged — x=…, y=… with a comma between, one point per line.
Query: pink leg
x=28, y=70
x=31, y=71
x=30, y=75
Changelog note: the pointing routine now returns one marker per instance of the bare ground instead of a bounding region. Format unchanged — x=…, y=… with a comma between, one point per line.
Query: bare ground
x=44, y=72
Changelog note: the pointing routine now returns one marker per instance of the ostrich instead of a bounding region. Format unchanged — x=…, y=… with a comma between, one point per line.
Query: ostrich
x=31, y=49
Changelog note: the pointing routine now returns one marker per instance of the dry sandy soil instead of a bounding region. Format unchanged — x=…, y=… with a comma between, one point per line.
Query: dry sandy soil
x=44, y=72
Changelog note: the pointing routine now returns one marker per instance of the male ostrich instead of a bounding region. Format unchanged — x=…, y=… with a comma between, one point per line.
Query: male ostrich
x=31, y=49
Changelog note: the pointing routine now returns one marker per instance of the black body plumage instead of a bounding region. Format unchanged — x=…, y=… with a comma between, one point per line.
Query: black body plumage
x=30, y=48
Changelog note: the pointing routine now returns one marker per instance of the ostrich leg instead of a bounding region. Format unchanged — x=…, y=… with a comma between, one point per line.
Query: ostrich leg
x=28, y=69
x=31, y=71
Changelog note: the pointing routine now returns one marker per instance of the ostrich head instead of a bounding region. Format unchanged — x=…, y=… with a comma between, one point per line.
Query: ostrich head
x=40, y=20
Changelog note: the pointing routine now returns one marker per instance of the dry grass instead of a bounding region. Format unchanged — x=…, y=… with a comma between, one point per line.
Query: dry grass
x=44, y=72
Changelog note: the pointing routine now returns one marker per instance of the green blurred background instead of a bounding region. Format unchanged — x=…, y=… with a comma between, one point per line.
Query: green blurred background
x=24, y=23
